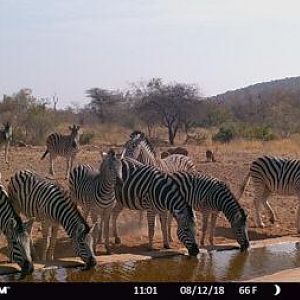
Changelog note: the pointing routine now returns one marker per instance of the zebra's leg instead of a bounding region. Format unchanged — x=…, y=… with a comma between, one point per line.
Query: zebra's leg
x=151, y=225
x=68, y=167
x=170, y=219
x=213, y=221
x=260, y=198
x=115, y=213
x=298, y=219
x=51, y=158
x=53, y=239
x=46, y=232
x=205, y=215
x=164, y=229
x=6, y=151
x=106, y=218
x=141, y=215
x=270, y=211
x=96, y=214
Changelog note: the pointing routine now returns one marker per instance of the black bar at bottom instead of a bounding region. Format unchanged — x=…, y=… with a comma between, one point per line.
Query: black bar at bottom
x=151, y=290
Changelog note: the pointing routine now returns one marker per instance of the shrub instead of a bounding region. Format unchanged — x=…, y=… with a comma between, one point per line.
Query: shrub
x=86, y=138
x=225, y=134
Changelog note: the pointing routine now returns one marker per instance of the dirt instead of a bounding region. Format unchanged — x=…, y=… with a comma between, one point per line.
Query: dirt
x=231, y=167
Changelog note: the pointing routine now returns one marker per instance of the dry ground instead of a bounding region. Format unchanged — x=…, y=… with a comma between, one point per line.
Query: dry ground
x=232, y=165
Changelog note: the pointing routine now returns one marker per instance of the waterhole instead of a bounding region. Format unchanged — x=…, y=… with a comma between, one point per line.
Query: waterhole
x=230, y=265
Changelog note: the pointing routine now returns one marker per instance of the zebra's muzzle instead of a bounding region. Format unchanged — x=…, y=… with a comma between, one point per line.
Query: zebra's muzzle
x=194, y=250
x=90, y=264
x=27, y=268
x=245, y=247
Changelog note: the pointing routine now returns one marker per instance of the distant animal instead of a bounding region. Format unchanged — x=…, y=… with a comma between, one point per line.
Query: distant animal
x=178, y=150
x=6, y=137
x=94, y=190
x=63, y=145
x=34, y=196
x=270, y=174
x=210, y=156
x=17, y=234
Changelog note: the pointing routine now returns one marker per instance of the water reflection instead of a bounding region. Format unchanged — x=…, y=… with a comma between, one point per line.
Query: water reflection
x=208, y=266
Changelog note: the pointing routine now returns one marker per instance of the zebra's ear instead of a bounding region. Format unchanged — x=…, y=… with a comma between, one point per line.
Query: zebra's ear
x=28, y=225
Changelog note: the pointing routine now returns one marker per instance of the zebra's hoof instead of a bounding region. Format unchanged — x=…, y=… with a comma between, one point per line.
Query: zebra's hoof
x=272, y=221
x=262, y=225
x=108, y=252
x=117, y=240
x=167, y=246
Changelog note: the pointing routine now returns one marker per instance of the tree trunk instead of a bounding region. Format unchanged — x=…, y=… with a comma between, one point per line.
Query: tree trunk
x=171, y=134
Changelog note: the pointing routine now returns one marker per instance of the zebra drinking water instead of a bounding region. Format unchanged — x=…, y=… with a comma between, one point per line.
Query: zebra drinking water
x=63, y=145
x=94, y=190
x=17, y=234
x=139, y=148
x=271, y=174
x=34, y=196
x=147, y=188
x=6, y=137
x=211, y=196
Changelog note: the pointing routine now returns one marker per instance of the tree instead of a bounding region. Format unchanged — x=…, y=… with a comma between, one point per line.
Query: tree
x=103, y=102
x=170, y=104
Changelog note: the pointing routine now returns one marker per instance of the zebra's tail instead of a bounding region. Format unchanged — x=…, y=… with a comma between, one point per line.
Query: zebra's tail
x=243, y=186
x=44, y=155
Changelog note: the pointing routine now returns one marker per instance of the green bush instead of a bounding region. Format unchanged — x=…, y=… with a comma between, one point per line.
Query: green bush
x=225, y=134
x=86, y=138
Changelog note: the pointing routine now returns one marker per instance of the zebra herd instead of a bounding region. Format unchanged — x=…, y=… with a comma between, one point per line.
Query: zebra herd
x=138, y=180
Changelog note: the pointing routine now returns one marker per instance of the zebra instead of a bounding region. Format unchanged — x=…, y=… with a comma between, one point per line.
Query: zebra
x=145, y=187
x=63, y=145
x=270, y=174
x=139, y=147
x=95, y=190
x=211, y=196
x=6, y=137
x=17, y=234
x=34, y=196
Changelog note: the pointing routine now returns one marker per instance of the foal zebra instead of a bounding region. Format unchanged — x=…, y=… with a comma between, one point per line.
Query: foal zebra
x=33, y=196
x=95, y=190
x=139, y=148
x=271, y=174
x=147, y=188
x=63, y=145
x=211, y=196
x=17, y=234
x=6, y=137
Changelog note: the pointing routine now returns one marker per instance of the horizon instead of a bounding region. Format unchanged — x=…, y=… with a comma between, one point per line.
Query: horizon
x=67, y=47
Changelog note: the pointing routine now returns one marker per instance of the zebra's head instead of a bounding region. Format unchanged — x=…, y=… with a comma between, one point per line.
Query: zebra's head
x=239, y=226
x=18, y=237
x=137, y=142
x=84, y=243
x=111, y=165
x=74, y=130
x=186, y=229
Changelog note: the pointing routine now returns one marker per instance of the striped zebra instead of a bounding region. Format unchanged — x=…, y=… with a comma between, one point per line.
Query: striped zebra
x=139, y=148
x=271, y=174
x=94, y=190
x=6, y=137
x=147, y=188
x=63, y=145
x=17, y=234
x=33, y=196
x=211, y=196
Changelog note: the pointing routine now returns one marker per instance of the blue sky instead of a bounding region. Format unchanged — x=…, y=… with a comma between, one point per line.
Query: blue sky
x=66, y=47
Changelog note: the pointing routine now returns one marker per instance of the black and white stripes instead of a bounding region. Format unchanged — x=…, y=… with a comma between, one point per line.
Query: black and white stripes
x=6, y=137
x=94, y=190
x=63, y=145
x=17, y=234
x=34, y=196
x=209, y=194
x=147, y=188
x=271, y=174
